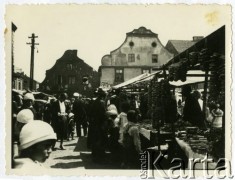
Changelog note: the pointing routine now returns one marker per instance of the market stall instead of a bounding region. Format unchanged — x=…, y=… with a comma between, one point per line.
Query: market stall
x=202, y=67
x=207, y=59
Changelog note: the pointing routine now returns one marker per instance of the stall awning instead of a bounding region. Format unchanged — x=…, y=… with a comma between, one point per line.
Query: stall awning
x=148, y=77
x=215, y=42
x=130, y=81
x=190, y=80
x=193, y=77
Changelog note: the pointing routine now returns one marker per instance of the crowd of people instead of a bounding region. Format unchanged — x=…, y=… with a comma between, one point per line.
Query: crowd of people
x=109, y=121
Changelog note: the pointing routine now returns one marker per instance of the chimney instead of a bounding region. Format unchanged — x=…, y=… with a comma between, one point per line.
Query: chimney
x=70, y=54
x=197, y=38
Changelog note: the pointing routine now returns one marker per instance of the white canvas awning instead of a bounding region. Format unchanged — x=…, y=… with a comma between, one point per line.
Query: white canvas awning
x=199, y=77
x=189, y=80
x=130, y=81
x=148, y=77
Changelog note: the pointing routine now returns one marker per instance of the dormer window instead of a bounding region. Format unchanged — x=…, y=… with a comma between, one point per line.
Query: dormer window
x=69, y=66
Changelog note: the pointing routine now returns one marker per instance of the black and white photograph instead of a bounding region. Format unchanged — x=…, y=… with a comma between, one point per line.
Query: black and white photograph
x=140, y=90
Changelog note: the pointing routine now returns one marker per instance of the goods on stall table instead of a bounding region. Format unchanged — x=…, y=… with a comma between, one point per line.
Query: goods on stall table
x=195, y=139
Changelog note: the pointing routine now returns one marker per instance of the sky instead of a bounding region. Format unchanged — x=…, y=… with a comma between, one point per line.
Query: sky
x=95, y=30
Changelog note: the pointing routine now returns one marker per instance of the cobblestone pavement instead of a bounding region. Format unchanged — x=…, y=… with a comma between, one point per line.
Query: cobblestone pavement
x=76, y=156
x=65, y=159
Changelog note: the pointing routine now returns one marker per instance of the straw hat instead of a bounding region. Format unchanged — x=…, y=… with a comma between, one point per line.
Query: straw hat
x=25, y=116
x=35, y=132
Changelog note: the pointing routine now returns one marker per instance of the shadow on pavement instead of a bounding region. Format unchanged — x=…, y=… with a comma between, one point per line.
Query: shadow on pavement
x=68, y=165
x=86, y=157
x=69, y=157
x=106, y=164
x=81, y=145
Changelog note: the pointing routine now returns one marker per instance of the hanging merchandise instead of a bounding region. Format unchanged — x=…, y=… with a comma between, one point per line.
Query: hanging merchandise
x=178, y=71
x=193, y=58
x=158, y=101
x=183, y=69
x=204, y=59
x=217, y=79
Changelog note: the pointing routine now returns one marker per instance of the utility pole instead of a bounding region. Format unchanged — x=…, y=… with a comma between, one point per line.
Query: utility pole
x=32, y=59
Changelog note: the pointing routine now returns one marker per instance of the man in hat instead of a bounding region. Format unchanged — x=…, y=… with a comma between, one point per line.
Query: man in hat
x=198, y=96
x=60, y=120
x=28, y=102
x=97, y=131
x=79, y=115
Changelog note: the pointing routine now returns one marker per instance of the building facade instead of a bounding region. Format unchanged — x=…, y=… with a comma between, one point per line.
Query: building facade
x=22, y=82
x=141, y=52
x=70, y=74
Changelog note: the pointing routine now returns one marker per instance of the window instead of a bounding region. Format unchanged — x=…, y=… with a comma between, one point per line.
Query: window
x=19, y=85
x=71, y=79
x=119, y=75
x=154, y=58
x=69, y=66
x=154, y=44
x=131, y=57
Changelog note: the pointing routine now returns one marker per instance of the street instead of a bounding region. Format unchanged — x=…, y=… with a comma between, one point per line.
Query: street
x=76, y=156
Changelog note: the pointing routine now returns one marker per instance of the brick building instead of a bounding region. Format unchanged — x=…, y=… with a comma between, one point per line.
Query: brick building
x=22, y=82
x=70, y=74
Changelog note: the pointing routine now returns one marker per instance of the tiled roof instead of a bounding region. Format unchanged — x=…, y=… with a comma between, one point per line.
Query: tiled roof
x=181, y=45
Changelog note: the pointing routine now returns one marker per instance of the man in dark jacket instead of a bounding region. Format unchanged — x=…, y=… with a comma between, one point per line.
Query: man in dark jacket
x=79, y=112
x=98, y=130
x=60, y=118
x=192, y=111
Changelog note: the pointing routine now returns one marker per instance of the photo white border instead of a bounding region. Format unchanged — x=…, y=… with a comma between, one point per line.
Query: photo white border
x=2, y=65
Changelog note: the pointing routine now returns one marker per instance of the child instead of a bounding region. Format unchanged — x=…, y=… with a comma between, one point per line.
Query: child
x=131, y=141
x=71, y=126
x=22, y=118
x=113, y=137
x=122, y=119
x=36, y=140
